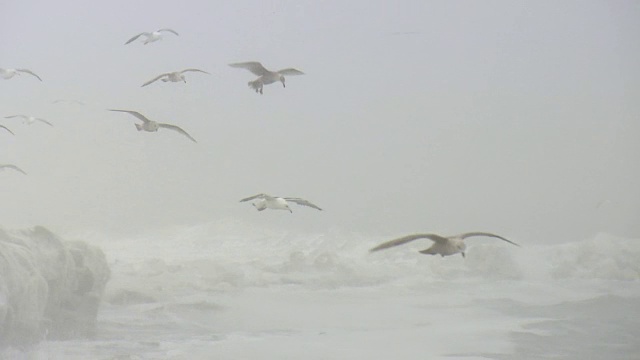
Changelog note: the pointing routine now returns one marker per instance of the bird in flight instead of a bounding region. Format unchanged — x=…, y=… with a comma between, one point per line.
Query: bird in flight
x=265, y=76
x=153, y=126
x=9, y=73
x=443, y=245
x=151, y=36
x=29, y=119
x=175, y=76
x=265, y=201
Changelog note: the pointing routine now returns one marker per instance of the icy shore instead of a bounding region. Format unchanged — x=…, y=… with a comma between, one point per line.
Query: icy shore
x=49, y=287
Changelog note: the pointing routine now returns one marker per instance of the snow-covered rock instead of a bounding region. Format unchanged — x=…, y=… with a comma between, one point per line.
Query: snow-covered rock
x=49, y=287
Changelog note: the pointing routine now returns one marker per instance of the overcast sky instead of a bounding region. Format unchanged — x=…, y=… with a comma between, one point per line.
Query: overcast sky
x=445, y=116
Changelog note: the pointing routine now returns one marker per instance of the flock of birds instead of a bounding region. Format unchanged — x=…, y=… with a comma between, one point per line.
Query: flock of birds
x=442, y=245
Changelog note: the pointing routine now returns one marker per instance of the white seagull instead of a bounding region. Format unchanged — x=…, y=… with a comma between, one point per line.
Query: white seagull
x=11, y=166
x=151, y=36
x=6, y=128
x=29, y=119
x=175, y=76
x=266, y=77
x=444, y=246
x=9, y=73
x=153, y=126
x=277, y=203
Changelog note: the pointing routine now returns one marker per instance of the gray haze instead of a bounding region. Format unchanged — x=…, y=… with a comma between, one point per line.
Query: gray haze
x=512, y=117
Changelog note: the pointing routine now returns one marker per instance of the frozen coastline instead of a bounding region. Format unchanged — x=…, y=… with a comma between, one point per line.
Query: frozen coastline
x=49, y=288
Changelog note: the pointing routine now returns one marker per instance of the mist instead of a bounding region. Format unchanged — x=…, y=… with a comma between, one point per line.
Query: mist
x=519, y=118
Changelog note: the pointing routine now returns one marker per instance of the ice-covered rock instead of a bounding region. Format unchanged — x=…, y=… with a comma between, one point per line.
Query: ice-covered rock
x=49, y=287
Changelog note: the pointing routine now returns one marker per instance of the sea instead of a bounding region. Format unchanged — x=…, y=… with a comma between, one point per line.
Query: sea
x=228, y=289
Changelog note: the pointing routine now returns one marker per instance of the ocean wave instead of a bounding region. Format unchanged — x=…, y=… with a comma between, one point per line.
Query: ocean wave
x=230, y=255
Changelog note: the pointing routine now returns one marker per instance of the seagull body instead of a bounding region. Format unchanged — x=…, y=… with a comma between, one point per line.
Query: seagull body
x=175, y=76
x=444, y=246
x=11, y=166
x=9, y=73
x=151, y=36
x=6, y=128
x=265, y=201
x=265, y=77
x=29, y=119
x=153, y=126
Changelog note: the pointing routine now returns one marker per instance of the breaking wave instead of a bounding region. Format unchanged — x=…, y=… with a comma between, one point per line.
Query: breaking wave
x=229, y=254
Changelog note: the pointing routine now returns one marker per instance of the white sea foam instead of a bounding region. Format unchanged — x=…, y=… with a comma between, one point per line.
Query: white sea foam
x=229, y=289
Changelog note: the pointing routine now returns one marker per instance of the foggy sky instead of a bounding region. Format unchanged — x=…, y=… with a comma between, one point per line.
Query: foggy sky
x=511, y=117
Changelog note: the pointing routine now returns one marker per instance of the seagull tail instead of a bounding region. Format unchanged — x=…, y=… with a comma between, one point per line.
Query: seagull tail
x=139, y=127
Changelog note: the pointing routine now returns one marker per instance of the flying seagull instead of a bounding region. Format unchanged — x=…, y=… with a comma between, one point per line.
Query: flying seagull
x=6, y=128
x=153, y=126
x=277, y=203
x=152, y=36
x=29, y=119
x=11, y=166
x=444, y=246
x=175, y=76
x=9, y=73
x=266, y=77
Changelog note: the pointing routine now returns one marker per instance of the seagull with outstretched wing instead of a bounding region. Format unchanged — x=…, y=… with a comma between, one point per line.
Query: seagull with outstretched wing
x=29, y=119
x=153, y=126
x=265, y=201
x=175, y=76
x=443, y=245
x=151, y=36
x=265, y=76
x=9, y=73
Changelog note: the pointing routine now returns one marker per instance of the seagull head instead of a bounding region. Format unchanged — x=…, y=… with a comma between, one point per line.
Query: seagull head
x=282, y=81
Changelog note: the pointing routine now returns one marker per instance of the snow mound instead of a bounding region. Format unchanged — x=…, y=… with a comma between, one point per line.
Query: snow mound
x=49, y=288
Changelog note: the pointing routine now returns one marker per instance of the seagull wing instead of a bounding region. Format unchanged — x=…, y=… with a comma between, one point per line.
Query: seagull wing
x=258, y=196
x=134, y=113
x=10, y=166
x=178, y=129
x=197, y=70
x=169, y=30
x=29, y=72
x=409, y=238
x=44, y=121
x=302, y=202
x=6, y=128
x=137, y=36
x=155, y=79
x=15, y=116
x=290, y=71
x=466, y=235
x=253, y=66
